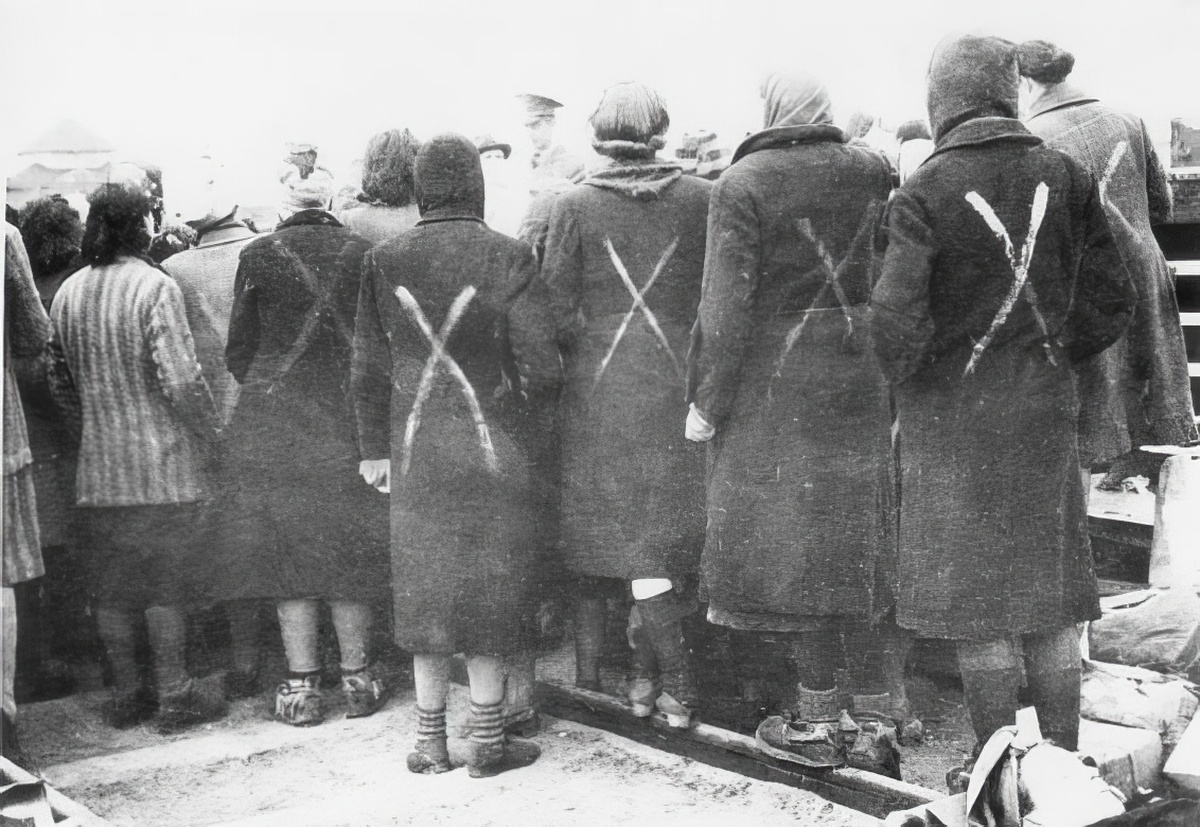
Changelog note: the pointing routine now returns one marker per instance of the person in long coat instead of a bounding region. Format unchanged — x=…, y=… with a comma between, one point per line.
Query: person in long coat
x=624, y=260
x=801, y=508
x=387, y=188
x=999, y=274
x=123, y=365
x=302, y=528
x=1137, y=392
x=454, y=357
x=26, y=333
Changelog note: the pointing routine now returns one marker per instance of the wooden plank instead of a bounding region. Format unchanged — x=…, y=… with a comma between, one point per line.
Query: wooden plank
x=67, y=813
x=1185, y=268
x=866, y=792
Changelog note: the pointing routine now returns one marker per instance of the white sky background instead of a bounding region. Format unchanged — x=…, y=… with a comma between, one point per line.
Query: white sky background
x=165, y=80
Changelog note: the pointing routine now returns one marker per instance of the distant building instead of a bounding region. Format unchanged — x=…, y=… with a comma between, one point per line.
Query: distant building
x=1185, y=144
x=68, y=159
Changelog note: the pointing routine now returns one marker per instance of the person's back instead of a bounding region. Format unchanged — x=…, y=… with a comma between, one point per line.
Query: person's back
x=124, y=333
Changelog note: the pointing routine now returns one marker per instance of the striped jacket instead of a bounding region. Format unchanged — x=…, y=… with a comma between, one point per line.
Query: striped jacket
x=121, y=337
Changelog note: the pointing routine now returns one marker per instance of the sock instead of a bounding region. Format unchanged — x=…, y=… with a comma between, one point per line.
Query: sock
x=243, y=619
x=167, y=629
x=992, y=676
x=431, y=724
x=352, y=621
x=1053, y=671
x=298, y=626
x=519, y=679
x=590, y=615
x=120, y=644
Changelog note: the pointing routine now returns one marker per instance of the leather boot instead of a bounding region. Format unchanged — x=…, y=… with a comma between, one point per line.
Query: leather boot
x=662, y=619
x=644, y=684
x=590, y=615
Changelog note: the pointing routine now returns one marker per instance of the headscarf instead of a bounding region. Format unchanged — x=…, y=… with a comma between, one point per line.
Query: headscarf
x=449, y=179
x=794, y=100
x=971, y=77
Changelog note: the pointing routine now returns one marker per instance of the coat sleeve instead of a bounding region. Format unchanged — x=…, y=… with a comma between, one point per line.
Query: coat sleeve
x=901, y=323
x=371, y=370
x=1105, y=296
x=26, y=324
x=1158, y=188
x=530, y=326
x=170, y=345
x=562, y=272
x=725, y=319
x=241, y=345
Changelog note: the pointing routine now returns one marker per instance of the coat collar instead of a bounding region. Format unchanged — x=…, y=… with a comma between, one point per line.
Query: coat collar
x=225, y=234
x=1058, y=96
x=776, y=137
x=979, y=131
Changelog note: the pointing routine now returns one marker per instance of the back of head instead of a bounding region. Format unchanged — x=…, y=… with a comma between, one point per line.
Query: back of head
x=1044, y=62
x=449, y=178
x=52, y=233
x=116, y=223
x=793, y=99
x=630, y=121
x=913, y=131
x=387, y=176
x=971, y=77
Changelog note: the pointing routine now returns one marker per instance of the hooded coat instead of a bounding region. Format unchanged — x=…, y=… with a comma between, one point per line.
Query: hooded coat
x=297, y=520
x=978, y=336
x=1138, y=390
x=454, y=358
x=632, y=489
x=801, y=518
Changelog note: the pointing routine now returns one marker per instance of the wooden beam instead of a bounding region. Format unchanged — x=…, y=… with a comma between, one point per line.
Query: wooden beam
x=67, y=813
x=866, y=792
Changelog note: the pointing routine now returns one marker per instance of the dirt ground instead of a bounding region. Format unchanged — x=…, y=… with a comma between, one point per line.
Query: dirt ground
x=252, y=772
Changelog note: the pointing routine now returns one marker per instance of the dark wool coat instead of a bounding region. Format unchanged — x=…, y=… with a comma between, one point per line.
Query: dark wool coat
x=632, y=491
x=993, y=527
x=800, y=489
x=1137, y=390
x=462, y=430
x=297, y=520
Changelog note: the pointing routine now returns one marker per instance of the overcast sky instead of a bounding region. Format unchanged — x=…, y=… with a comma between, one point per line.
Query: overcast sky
x=164, y=80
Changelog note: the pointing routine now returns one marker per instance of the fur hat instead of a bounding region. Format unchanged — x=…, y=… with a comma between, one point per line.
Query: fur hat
x=629, y=121
x=971, y=77
x=449, y=178
x=387, y=171
x=1044, y=62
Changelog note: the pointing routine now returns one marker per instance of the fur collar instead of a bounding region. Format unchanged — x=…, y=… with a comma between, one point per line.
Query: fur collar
x=1058, y=96
x=776, y=137
x=646, y=180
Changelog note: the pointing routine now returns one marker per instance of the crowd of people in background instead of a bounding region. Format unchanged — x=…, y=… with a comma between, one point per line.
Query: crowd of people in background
x=840, y=395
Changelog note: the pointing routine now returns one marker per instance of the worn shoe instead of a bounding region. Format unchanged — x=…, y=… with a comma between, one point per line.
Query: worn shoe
x=524, y=724
x=875, y=749
x=364, y=693
x=299, y=702
x=129, y=707
x=489, y=759
x=817, y=745
x=679, y=715
x=241, y=683
x=431, y=757
x=197, y=701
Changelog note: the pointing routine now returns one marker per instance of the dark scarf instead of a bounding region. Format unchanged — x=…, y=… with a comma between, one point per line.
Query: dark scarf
x=644, y=180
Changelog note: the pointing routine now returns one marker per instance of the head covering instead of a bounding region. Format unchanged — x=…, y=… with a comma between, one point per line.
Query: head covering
x=486, y=143
x=313, y=192
x=971, y=77
x=538, y=106
x=629, y=122
x=912, y=131
x=387, y=170
x=1044, y=62
x=449, y=179
x=792, y=99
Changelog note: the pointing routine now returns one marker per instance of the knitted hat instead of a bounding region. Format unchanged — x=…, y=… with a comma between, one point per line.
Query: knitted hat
x=1044, y=62
x=971, y=77
x=449, y=178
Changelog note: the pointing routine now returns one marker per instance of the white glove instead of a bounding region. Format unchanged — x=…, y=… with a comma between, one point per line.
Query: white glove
x=697, y=428
x=377, y=472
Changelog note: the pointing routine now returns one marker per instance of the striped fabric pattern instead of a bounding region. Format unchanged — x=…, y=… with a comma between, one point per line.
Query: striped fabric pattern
x=122, y=331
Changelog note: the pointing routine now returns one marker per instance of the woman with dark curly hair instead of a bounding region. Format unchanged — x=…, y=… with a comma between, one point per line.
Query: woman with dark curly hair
x=122, y=357
x=388, y=189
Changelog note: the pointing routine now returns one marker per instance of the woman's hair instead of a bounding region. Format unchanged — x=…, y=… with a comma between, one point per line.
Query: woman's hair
x=387, y=175
x=630, y=113
x=116, y=223
x=1044, y=62
x=52, y=232
x=912, y=131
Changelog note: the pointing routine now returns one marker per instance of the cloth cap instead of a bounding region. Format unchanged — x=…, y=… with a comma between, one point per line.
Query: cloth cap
x=486, y=143
x=538, y=106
